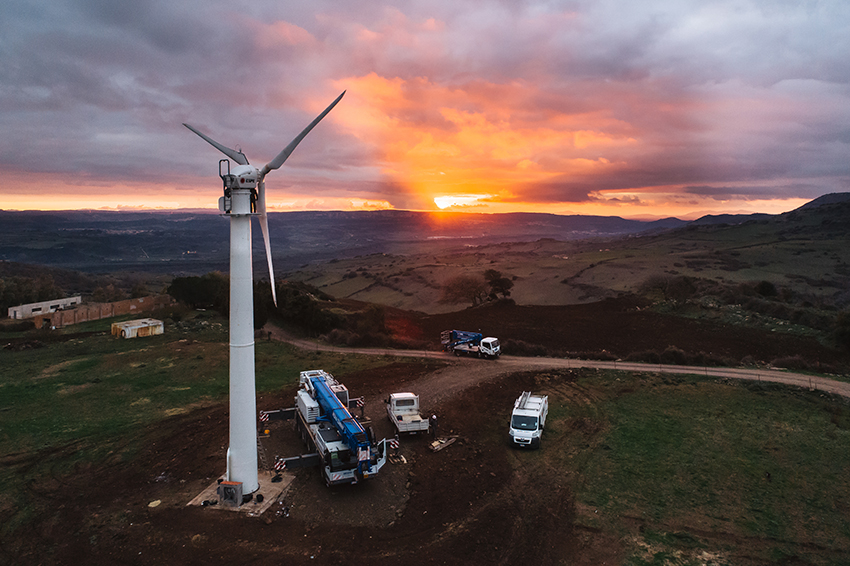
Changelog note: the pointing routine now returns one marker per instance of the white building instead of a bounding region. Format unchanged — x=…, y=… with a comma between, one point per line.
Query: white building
x=35, y=309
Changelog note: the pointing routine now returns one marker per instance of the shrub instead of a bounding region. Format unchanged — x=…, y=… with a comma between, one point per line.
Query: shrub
x=674, y=356
x=523, y=348
x=645, y=356
x=841, y=330
x=790, y=362
x=766, y=289
x=339, y=337
x=709, y=359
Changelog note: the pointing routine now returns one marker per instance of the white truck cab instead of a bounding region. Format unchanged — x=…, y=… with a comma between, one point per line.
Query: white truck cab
x=528, y=419
x=490, y=347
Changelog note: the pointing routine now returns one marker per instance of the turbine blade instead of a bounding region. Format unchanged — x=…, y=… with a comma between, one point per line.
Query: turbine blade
x=263, y=217
x=283, y=155
x=236, y=156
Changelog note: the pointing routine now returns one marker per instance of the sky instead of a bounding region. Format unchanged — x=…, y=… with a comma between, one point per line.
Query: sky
x=635, y=109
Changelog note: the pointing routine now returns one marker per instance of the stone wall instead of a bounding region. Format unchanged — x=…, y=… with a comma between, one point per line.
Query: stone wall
x=97, y=311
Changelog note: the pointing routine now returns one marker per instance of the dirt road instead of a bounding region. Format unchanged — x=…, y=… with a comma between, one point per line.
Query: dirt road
x=463, y=372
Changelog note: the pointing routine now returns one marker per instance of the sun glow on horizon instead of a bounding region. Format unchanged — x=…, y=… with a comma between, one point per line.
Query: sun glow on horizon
x=462, y=147
x=459, y=201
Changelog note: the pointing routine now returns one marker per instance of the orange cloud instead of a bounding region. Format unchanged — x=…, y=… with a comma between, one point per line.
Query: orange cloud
x=451, y=144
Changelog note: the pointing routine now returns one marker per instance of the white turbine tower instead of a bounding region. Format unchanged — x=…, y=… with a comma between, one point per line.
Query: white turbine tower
x=241, y=200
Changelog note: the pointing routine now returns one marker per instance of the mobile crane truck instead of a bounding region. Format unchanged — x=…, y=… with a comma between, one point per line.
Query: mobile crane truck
x=345, y=451
x=463, y=342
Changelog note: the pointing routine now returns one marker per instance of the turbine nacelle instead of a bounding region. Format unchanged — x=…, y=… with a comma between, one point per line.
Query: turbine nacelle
x=245, y=177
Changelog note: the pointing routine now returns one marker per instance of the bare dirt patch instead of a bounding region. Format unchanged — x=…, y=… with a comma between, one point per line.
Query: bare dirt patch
x=467, y=504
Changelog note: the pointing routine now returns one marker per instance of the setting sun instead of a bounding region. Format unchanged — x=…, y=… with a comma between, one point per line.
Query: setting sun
x=459, y=201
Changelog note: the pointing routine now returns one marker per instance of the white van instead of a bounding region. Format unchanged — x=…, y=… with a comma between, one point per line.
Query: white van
x=528, y=419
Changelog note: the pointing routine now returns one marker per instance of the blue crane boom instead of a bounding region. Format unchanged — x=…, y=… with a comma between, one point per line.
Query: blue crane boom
x=351, y=430
x=452, y=338
x=345, y=450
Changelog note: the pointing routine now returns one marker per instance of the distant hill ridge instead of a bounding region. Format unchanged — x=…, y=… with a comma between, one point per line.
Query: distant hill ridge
x=831, y=198
x=197, y=242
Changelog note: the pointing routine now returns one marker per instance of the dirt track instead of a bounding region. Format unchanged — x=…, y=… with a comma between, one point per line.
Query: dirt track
x=448, y=382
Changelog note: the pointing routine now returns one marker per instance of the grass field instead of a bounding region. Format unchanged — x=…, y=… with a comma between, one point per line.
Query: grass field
x=706, y=468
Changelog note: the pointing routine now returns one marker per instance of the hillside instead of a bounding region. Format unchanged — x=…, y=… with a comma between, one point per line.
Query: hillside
x=805, y=252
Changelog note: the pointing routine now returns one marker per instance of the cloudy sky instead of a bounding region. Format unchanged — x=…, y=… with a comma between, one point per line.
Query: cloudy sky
x=636, y=109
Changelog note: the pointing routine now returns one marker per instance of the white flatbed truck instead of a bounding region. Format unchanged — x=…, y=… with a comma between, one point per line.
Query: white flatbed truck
x=403, y=412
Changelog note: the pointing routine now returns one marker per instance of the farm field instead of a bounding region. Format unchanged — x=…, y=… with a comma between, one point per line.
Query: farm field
x=805, y=253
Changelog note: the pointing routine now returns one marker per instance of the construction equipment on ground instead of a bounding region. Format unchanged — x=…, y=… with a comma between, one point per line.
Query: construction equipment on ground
x=464, y=342
x=345, y=451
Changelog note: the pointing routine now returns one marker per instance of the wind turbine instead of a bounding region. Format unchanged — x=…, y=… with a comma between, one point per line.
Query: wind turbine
x=245, y=196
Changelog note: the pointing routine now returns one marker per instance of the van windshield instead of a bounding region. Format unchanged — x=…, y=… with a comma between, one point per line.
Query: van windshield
x=521, y=422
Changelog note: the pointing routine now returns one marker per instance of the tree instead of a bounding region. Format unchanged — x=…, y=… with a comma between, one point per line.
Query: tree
x=107, y=294
x=464, y=288
x=675, y=290
x=19, y=290
x=209, y=291
x=498, y=285
x=842, y=329
x=139, y=290
x=300, y=304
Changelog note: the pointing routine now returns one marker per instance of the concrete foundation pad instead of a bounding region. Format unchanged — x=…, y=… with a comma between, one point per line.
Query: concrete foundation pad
x=271, y=492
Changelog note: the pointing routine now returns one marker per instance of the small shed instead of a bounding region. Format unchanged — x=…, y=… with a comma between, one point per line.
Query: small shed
x=138, y=328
